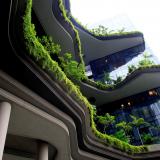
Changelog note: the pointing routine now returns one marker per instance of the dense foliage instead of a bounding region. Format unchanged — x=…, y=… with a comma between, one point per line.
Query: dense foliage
x=123, y=130
x=49, y=45
x=43, y=58
x=145, y=61
x=78, y=42
x=71, y=67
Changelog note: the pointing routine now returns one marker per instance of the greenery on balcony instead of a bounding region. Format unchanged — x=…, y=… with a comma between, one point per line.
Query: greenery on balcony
x=123, y=130
x=63, y=11
x=41, y=50
x=108, y=83
x=102, y=31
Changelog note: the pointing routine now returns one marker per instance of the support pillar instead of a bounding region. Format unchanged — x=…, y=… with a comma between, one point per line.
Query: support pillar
x=43, y=151
x=5, y=110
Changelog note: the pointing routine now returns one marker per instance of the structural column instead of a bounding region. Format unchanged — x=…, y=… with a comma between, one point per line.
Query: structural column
x=5, y=110
x=43, y=151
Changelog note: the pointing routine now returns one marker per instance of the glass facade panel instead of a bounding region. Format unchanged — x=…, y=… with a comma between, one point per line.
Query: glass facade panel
x=145, y=105
x=113, y=62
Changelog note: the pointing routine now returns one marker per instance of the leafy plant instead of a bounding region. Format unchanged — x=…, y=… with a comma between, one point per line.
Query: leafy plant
x=77, y=38
x=122, y=136
x=103, y=31
x=145, y=61
x=137, y=122
x=71, y=67
x=131, y=68
x=49, y=45
x=100, y=31
x=106, y=121
x=147, y=138
x=118, y=80
x=125, y=126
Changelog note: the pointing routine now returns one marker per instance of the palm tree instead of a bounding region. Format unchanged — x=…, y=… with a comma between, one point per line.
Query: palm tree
x=137, y=122
x=145, y=61
x=106, y=121
x=125, y=126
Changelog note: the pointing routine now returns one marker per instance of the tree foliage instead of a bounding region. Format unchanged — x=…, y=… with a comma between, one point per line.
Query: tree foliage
x=131, y=68
x=137, y=122
x=71, y=67
x=147, y=138
x=145, y=61
x=106, y=121
x=125, y=126
x=49, y=45
x=120, y=134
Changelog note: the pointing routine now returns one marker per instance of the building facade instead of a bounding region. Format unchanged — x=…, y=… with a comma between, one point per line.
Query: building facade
x=39, y=118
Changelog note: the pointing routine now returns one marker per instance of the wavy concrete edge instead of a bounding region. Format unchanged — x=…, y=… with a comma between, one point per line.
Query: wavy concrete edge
x=15, y=93
x=137, y=77
x=129, y=77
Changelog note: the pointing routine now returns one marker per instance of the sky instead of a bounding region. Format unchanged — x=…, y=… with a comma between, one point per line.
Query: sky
x=144, y=14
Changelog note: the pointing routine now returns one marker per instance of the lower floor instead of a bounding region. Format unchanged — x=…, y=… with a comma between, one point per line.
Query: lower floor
x=145, y=105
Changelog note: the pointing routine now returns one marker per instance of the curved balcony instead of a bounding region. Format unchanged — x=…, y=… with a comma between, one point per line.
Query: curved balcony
x=132, y=84
x=104, y=45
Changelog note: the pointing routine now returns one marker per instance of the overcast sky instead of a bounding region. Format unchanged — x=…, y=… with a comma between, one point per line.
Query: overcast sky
x=145, y=15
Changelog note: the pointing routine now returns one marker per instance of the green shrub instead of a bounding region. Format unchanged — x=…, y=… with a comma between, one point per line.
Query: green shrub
x=122, y=136
x=49, y=45
x=71, y=67
x=118, y=80
x=131, y=68
x=145, y=61
x=106, y=121
x=103, y=31
x=64, y=13
x=147, y=138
